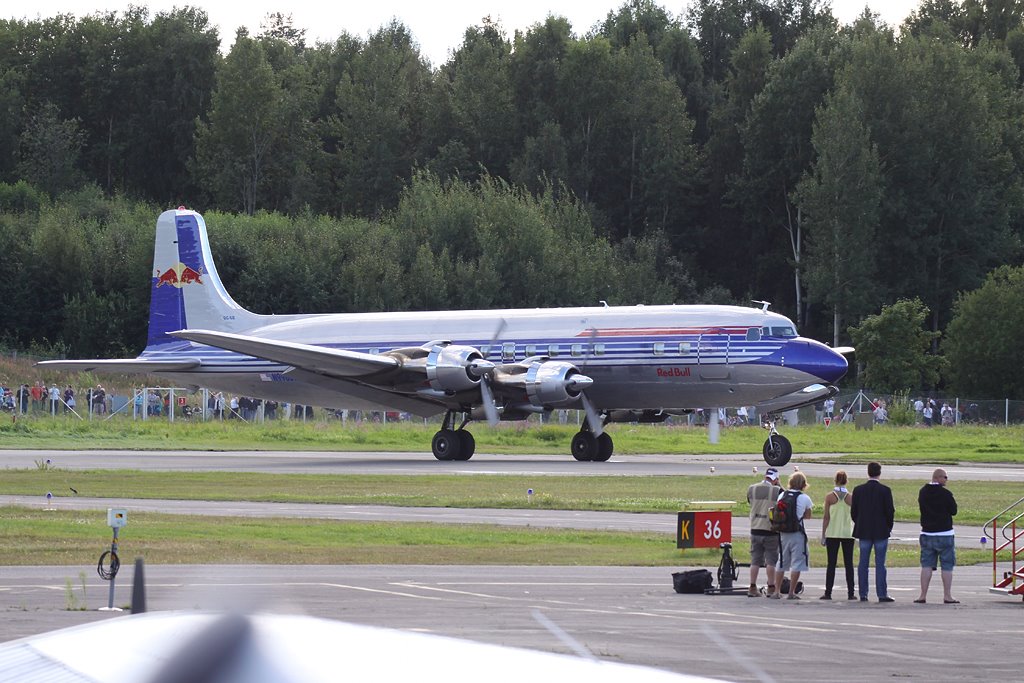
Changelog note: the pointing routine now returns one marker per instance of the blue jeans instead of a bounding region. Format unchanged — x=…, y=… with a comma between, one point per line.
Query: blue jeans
x=880, y=546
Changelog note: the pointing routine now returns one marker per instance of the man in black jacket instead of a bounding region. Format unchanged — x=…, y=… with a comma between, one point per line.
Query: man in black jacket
x=873, y=514
x=938, y=507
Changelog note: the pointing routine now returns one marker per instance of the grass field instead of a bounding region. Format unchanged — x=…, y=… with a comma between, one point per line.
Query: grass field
x=76, y=538
x=890, y=444
x=977, y=501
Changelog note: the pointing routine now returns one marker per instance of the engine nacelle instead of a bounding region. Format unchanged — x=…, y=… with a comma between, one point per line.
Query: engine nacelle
x=453, y=368
x=554, y=383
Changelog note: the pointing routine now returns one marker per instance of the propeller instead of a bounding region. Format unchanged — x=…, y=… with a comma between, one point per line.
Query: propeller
x=594, y=420
x=484, y=369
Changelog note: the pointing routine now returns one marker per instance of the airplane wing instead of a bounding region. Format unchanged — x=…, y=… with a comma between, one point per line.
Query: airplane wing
x=263, y=648
x=128, y=366
x=336, y=362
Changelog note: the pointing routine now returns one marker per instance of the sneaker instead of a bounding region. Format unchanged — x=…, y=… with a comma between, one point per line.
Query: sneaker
x=793, y=597
x=775, y=596
x=752, y=592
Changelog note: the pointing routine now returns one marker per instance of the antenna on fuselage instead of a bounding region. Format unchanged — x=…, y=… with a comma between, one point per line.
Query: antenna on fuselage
x=764, y=304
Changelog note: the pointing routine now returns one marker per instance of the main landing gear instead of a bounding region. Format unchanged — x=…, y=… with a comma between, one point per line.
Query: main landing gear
x=453, y=444
x=586, y=446
x=777, y=448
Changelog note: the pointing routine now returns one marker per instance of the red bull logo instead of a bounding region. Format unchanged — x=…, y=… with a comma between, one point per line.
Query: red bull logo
x=178, y=276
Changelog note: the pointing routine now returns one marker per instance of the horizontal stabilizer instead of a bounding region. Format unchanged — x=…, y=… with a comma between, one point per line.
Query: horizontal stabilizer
x=320, y=359
x=122, y=366
x=798, y=399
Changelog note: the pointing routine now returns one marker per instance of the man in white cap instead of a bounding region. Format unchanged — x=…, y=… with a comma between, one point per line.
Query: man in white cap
x=764, y=543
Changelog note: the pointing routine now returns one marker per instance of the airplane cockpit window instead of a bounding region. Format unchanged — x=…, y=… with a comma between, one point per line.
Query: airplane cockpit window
x=781, y=331
x=508, y=351
x=375, y=352
x=754, y=334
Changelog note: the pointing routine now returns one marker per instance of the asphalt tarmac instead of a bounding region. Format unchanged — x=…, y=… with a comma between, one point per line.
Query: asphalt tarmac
x=628, y=614
x=814, y=465
x=623, y=614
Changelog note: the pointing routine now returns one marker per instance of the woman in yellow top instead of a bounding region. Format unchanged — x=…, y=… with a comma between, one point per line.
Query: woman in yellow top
x=836, y=533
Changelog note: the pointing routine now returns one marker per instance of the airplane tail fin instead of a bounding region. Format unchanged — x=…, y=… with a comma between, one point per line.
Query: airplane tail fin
x=186, y=291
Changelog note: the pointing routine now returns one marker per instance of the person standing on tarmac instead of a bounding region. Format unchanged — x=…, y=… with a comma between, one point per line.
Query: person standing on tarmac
x=764, y=543
x=938, y=507
x=793, y=545
x=836, y=533
x=873, y=514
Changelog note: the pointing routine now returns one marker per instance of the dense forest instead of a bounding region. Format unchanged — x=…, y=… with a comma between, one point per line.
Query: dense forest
x=744, y=149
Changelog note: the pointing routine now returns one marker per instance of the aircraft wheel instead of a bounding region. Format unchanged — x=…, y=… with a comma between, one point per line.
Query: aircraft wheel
x=446, y=445
x=605, y=448
x=777, y=450
x=467, y=445
x=584, y=446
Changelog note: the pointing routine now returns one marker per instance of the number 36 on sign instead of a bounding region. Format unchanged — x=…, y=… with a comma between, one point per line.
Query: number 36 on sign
x=703, y=529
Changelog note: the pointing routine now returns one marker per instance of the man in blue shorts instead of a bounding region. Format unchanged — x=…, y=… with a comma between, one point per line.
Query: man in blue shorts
x=938, y=507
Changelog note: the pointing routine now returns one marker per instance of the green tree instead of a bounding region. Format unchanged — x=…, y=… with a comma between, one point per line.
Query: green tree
x=478, y=83
x=246, y=120
x=840, y=198
x=982, y=343
x=777, y=152
x=892, y=348
x=379, y=122
x=49, y=151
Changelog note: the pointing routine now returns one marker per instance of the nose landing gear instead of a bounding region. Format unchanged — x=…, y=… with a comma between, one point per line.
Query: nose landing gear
x=777, y=449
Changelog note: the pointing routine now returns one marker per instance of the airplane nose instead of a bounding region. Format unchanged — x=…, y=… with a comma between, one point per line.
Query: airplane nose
x=830, y=366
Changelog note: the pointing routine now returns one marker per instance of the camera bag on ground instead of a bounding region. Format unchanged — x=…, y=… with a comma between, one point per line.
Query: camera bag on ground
x=692, y=581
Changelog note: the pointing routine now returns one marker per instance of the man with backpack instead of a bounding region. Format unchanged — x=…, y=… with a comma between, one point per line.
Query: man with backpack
x=788, y=515
x=764, y=543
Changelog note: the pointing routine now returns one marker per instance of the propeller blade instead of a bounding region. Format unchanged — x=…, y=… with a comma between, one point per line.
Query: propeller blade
x=593, y=419
x=487, y=399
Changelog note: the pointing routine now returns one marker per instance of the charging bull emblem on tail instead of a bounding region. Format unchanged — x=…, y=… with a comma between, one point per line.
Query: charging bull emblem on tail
x=179, y=275
x=169, y=277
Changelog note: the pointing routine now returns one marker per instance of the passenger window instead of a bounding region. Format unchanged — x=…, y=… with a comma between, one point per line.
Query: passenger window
x=659, y=348
x=599, y=349
x=531, y=350
x=508, y=351
x=754, y=334
x=684, y=348
x=577, y=350
x=552, y=350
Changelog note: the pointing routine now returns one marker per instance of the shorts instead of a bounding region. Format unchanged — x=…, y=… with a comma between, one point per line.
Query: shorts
x=764, y=550
x=940, y=548
x=794, y=552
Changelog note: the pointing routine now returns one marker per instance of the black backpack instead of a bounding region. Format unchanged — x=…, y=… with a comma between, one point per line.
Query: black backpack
x=783, y=515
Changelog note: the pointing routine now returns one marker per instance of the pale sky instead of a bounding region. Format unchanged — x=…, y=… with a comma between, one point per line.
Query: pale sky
x=437, y=26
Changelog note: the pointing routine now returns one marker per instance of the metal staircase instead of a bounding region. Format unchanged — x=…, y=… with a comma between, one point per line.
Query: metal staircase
x=1007, y=533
